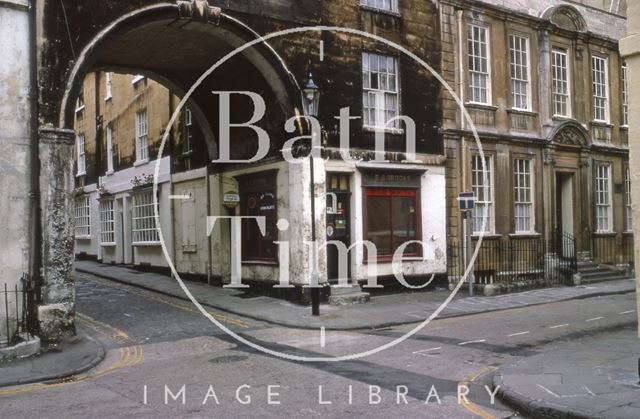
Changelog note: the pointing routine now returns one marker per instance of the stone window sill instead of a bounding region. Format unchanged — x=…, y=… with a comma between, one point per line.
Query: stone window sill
x=483, y=106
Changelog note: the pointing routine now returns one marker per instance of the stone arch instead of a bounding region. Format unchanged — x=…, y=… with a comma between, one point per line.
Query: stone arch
x=201, y=18
x=566, y=16
x=570, y=133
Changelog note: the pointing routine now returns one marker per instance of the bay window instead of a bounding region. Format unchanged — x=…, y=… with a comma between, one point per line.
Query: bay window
x=83, y=217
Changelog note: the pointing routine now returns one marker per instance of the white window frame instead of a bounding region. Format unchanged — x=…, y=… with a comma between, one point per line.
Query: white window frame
x=600, y=88
x=142, y=136
x=524, y=196
x=188, y=131
x=82, y=229
x=625, y=96
x=603, y=195
x=628, y=205
x=143, y=225
x=388, y=86
x=107, y=223
x=520, y=66
x=557, y=82
x=385, y=5
x=476, y=57
x=478, y=184
x=109, y=135
x=81, y=155
x=108, y=85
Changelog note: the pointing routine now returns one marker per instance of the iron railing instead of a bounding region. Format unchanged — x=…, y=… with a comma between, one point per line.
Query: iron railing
x=612, y=249
x=13, y=314
x=518, y=259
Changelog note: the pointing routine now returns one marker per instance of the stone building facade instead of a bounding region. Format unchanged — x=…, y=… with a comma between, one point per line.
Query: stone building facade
x=545, y=87
x=387, y=197
x=16, y=118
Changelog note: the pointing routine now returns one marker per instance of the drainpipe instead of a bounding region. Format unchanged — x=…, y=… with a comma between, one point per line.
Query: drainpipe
x=34, y=278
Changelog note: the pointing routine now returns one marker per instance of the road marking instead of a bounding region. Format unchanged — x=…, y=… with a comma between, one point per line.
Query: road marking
x=322, y=337
x=115, y=333
x=627, y=312
x=547, y=390
x=184, y=307
x=321, y=50
x=180, y=197
x=519, y=334
x=469, y=405
x=595, y=319
x=422, y=351
x=472, y=341
x=557, y=326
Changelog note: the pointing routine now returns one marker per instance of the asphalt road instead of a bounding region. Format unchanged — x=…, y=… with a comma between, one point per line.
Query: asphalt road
x=158, y=344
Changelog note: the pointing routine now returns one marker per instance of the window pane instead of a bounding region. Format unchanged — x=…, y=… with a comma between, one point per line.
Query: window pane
x=403, y=212
x=379, y=223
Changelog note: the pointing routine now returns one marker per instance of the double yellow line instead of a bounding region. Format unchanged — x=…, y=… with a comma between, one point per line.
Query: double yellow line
x=186, y=307
x=470, y=406
x=129, y=356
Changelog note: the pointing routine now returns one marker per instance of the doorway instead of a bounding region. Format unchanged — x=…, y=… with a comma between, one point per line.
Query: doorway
x=564, y=225
x=338, y=225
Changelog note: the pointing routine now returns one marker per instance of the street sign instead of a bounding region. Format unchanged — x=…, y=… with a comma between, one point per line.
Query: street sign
x=466, y=201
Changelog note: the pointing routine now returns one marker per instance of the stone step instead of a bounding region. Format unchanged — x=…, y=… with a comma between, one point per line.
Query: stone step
x=348, y=295
x=347, y=299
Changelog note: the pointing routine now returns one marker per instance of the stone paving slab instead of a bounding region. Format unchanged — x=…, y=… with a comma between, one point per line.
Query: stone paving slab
x=70, y=357
x=382, y=311
x=587, y=382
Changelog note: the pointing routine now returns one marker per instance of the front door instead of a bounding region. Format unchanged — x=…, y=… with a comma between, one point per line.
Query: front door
x=338, y=226
x=564, y=208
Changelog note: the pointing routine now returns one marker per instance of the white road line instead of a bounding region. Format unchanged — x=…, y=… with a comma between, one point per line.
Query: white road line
x=557, y=326
x=322, y=337
x=421, y=351
x=472, y=341
x=547, y=390
x=627, y=312
x=181, y=197
x=519, y=333
x=321, y=50
x=595, y=318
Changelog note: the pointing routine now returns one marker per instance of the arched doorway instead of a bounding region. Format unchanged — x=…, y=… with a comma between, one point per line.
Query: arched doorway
x=172, y=44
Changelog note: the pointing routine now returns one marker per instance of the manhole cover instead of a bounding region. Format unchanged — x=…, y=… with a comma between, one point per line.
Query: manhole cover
x=228, y=359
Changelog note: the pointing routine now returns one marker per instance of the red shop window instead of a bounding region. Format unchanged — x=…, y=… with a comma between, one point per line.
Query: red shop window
x=392, y=219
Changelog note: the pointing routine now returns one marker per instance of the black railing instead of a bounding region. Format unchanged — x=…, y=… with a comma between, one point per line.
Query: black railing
x=612, y=249
x=518, y=259
x=12, y=314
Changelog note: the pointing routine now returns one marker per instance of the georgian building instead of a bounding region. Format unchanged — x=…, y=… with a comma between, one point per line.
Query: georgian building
x=545, y=88
x=542, y=84
x=387, y=197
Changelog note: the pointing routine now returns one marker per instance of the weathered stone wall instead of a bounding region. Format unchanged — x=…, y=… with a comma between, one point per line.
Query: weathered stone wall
x=57, y=309
x=15, y=119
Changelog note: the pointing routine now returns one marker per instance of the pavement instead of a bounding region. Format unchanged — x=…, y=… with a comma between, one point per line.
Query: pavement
x=382, y=311
x=596, y=379
x=593, y=379
x=55, y=362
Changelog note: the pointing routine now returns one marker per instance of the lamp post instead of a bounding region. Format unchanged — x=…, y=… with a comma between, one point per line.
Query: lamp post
x=311, y=96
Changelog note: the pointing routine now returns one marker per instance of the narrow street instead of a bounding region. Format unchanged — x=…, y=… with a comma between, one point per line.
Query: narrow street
x=156, y=341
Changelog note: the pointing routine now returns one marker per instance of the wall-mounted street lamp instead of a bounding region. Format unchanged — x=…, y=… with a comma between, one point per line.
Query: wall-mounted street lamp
x=311, y=97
